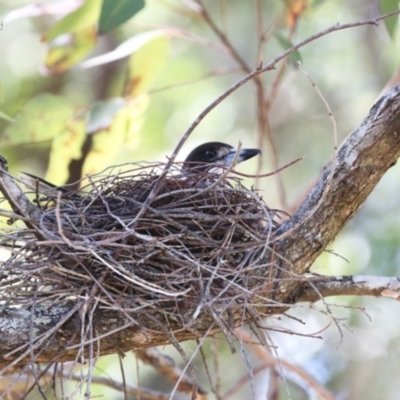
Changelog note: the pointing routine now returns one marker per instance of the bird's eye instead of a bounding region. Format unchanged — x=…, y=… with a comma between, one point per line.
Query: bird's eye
x=210, y=154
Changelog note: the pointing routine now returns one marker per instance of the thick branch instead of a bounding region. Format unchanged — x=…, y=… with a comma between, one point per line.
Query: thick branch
x=361, y=162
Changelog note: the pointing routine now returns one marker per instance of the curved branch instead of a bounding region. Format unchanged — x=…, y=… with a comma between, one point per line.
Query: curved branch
x=360, y=163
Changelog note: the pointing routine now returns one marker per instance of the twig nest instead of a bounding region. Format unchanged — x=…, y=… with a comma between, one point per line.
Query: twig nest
x=201, y=235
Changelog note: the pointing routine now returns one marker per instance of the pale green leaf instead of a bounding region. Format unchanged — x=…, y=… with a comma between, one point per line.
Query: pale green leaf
x=106, y=144
x=145, y=66
x=62, y=56
x=114, y=124
x=66, y=147
x=40, y=119
x=136, y=109
x=82, y=18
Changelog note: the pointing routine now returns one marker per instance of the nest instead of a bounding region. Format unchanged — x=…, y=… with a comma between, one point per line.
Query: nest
x=146, y=243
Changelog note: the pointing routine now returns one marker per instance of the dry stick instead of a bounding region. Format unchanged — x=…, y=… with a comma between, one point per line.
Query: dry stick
x=189, y=366
x=273, y=349
x=207, y=370
x=122, y=369
x=90, y=303
x=259, y=29
x=330, y=114
x=270, y=361
x=182, y=353
x=237, y=85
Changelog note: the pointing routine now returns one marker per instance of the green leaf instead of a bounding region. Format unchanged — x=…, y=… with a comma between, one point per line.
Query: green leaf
x=82, y=18
x=116, y=12
x=386, y=7
x=136, y=109
x=40, y=119
x=294, y=57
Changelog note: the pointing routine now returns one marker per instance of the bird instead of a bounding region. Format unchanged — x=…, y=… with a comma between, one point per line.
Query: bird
x=210, y=157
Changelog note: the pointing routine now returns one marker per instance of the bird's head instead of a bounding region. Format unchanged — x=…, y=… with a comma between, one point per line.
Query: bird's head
x=215, y=155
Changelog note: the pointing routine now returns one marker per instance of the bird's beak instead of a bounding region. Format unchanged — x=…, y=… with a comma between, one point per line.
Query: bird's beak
x=244, y=155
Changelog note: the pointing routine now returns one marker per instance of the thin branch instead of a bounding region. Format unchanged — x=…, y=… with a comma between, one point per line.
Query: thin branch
x=167, y=367
x=357, y=285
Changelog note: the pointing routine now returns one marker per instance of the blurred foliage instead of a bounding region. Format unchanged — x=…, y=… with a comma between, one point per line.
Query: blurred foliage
x=115, y=13
x=42, y=118
x=86, y=84
x=76, y=34
x=386, y=7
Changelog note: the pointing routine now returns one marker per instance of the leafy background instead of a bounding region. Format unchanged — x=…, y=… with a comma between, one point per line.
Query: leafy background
x=85, y=85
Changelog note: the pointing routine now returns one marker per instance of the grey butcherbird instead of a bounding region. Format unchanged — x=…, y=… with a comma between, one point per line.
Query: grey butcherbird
x=208, y=157
x=214, y=155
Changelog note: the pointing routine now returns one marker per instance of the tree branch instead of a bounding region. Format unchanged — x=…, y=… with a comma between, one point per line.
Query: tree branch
x=324, y=286
x=360, y=163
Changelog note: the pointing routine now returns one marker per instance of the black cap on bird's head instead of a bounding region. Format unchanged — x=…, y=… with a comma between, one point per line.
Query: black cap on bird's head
x=215, y=154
